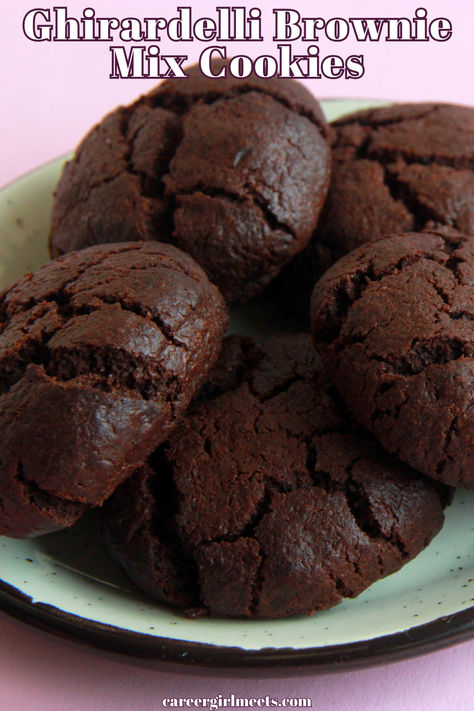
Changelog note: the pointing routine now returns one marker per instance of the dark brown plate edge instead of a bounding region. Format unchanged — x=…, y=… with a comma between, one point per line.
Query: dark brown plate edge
x=429, y=637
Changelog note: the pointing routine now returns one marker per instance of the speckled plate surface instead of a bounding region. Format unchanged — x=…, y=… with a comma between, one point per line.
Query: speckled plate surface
x=64, y=582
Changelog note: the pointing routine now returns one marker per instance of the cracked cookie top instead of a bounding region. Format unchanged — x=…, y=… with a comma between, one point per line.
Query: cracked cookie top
x=267, y=500
x=100, y=352
x=395, y=169
x=394, y=321
x=234, y=172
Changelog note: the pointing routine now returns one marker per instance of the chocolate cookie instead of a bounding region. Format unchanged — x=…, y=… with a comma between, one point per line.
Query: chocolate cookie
x=100, y=352
x=395, y=169
x=394, y=321
x=232, y=171
x=266, y=501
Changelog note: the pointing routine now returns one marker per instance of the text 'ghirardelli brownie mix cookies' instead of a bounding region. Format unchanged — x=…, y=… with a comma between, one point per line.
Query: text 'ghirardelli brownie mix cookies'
x=100, y=352
x=395, y=169
x=266, y=500
x=394, y=322
x=234, y=172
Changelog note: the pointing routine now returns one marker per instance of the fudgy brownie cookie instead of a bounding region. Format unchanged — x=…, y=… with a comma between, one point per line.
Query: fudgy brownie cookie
x=100, y=352
x=395, y=169
x=232, y=171
x=394, y=321
x=266, y=501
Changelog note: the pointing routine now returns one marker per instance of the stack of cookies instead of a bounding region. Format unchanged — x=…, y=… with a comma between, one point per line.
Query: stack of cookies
x=238, y=478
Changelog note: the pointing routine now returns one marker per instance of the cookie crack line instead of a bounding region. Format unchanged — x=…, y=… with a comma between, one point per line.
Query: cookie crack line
x=136, y=308
x=340, y=585
x=162, y=521
x=424, y=353
x=172, y=265
x=56, y=296
x=281, y=387
x=102, y=374
x=235, y=198
x=37, y=493
x=445, y=347
x=441, y=465
x=390, y=156
x=357, y=501
x=100, y=361
x=159, y=185
x=444, y=296
x=249, y=530
x=273, y=222
x=62, y=299
x=359, y=505
x=401, y=193
x=452, y=264
x=361, y=279
x=262, y=507
x=392, y=411
x=95, y=378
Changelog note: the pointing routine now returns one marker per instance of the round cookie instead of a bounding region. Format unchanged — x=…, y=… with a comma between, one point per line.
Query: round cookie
x=394, y=321
x=266, y=501
x=100, y=352
x=232, y=171
x=395, y=169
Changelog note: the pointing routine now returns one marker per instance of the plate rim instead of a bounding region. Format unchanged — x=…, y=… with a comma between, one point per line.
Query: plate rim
x=429, y=637
x=421, y=639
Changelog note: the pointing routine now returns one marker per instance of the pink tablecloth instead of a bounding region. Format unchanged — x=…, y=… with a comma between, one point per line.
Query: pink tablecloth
x=52, y=92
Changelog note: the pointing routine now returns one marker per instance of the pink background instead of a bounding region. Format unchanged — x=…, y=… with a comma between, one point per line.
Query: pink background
x=52, y=93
